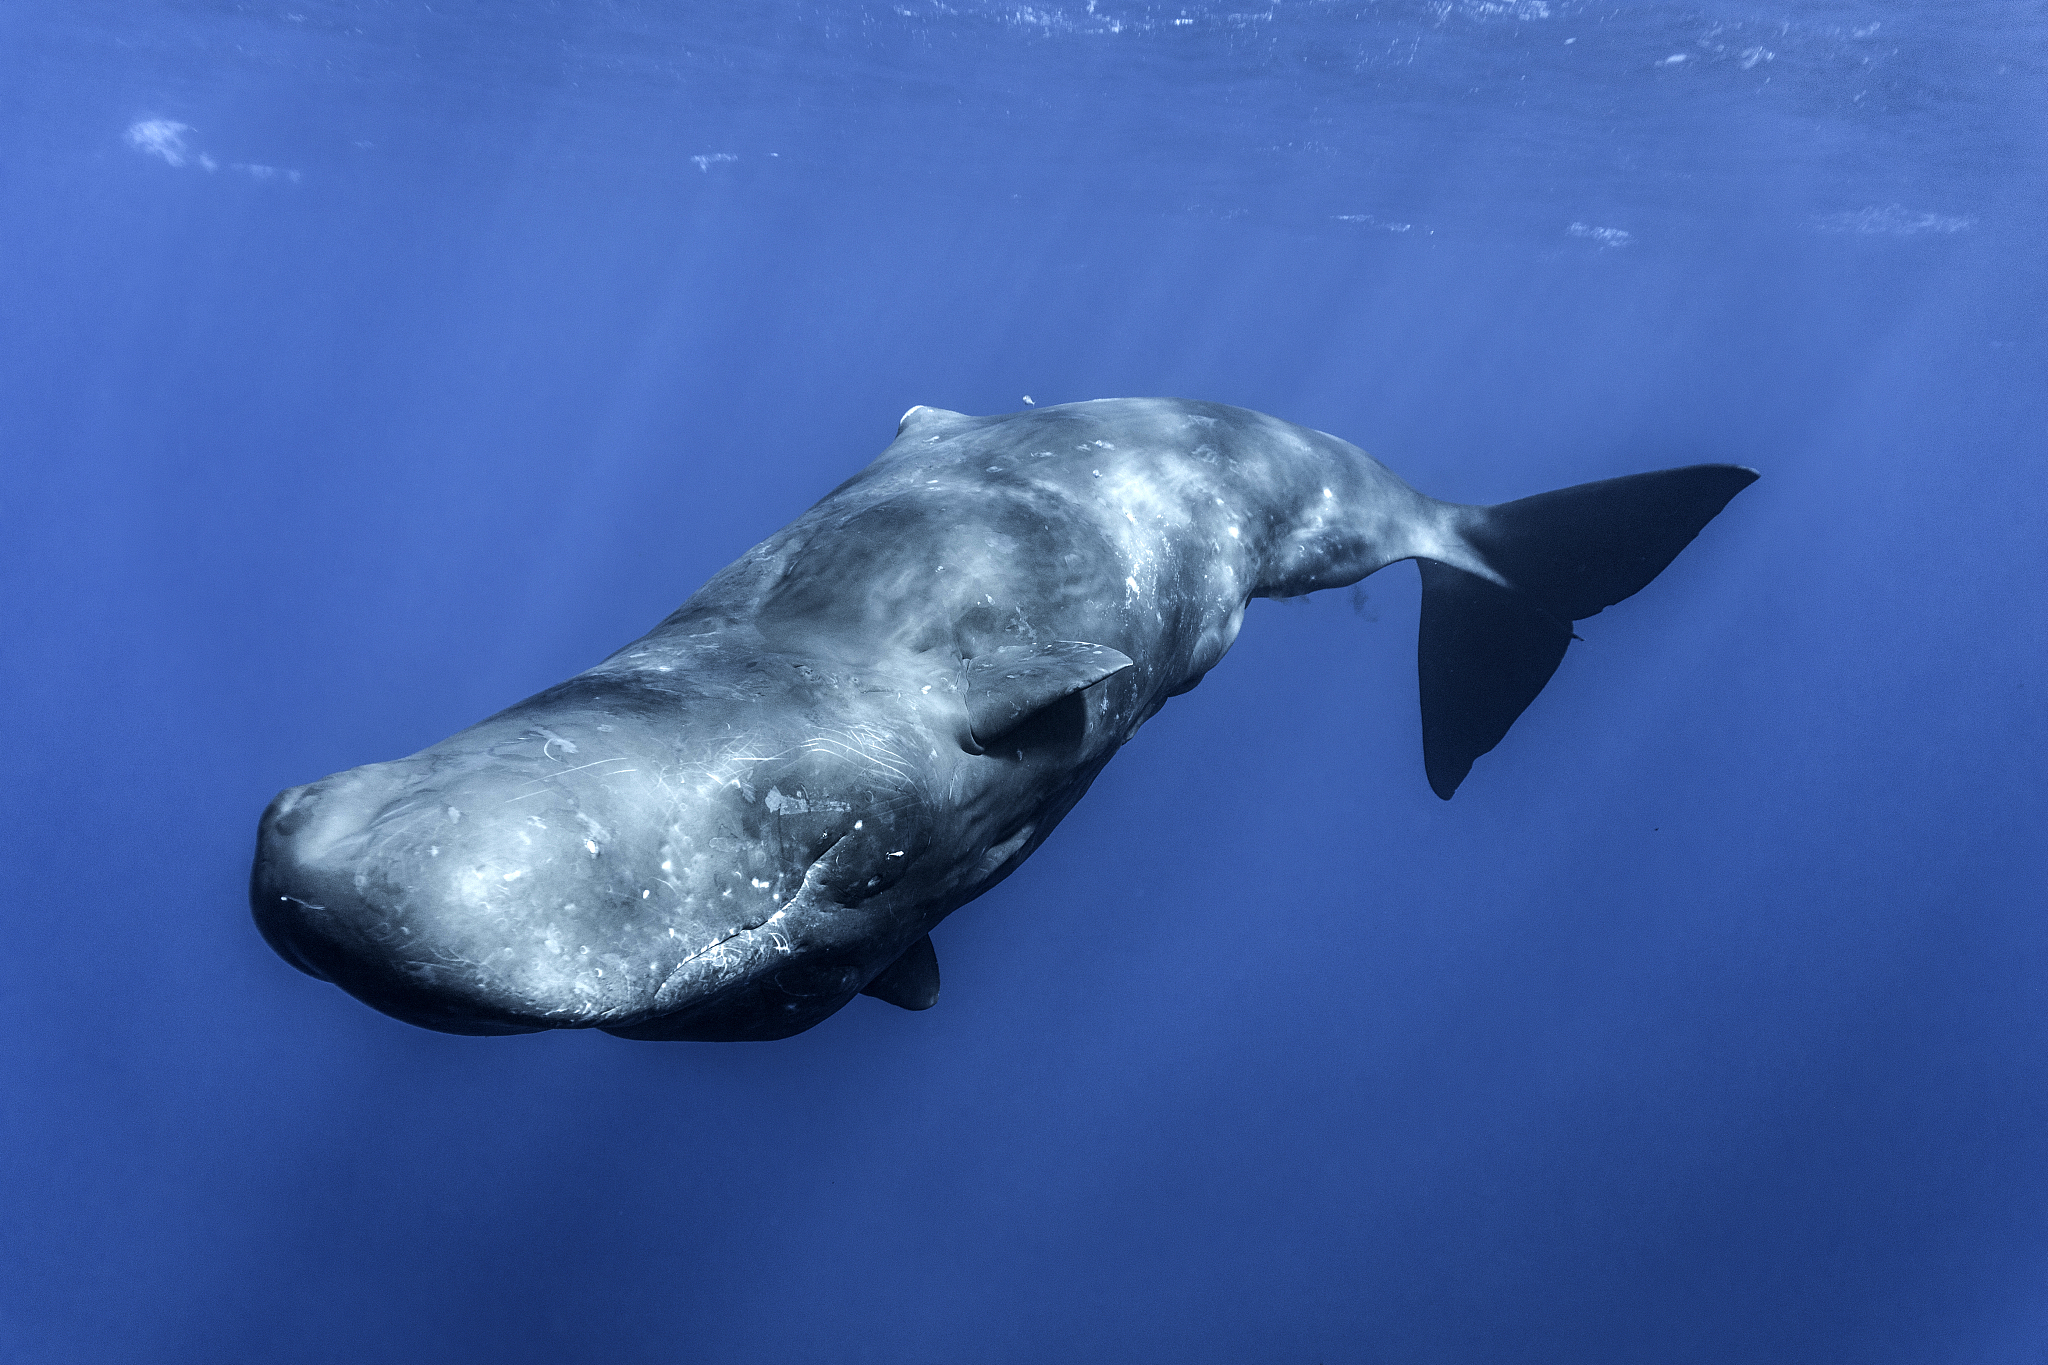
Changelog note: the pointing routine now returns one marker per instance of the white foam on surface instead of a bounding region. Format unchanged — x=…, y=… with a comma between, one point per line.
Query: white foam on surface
x=1606, y=236
x=165, y=138
x=1893, y=220
x=160, y=137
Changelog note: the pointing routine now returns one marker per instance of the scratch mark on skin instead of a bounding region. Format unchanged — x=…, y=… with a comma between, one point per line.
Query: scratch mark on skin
x=400, y=809
x=552, y=739
x=577, y=769
x=554, y=777
x=540, y=791
x=863, y=746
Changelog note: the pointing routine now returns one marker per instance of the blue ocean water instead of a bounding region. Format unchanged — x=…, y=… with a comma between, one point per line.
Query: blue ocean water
x=371, y=365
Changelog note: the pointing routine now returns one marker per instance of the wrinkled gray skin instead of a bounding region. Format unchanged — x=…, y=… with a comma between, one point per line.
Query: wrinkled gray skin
x=729, y=827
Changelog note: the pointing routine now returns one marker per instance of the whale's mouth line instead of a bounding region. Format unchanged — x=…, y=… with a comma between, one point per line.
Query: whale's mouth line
x=714, y=947
x=782, y=943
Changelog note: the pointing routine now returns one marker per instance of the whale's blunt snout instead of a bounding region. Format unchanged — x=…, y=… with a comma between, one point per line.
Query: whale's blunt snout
x=278, y=912
x=528, y=875
x=329, y=891
x=288, y=890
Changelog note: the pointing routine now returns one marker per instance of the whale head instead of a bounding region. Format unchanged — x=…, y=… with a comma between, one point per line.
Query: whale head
x=609, y=854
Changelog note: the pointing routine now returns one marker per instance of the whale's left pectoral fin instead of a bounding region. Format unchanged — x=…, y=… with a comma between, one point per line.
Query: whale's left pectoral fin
x=1006, y=687
x=912, y=980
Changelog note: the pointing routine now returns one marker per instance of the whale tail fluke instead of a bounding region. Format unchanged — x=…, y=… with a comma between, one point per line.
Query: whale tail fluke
x=1486, y=649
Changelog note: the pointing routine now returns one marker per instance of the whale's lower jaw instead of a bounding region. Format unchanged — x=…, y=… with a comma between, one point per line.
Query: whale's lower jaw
x=465, y=1022
x=754, y=983
x=315, y=921
x=724, y=1027
x=764, y=1013
x=758, y=985
x=415, y=996
x=760, y=1015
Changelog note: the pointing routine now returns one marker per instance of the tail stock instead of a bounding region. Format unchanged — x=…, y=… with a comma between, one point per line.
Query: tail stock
x=1486, y=649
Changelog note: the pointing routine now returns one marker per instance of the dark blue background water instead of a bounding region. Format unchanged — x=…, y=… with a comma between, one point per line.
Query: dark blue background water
x=369, y=366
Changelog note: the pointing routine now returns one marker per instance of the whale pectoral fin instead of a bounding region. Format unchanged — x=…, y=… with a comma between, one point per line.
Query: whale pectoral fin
x=1007, y=686
x=911, y=982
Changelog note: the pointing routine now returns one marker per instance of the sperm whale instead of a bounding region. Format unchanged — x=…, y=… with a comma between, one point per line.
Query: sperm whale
x=762, y=807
